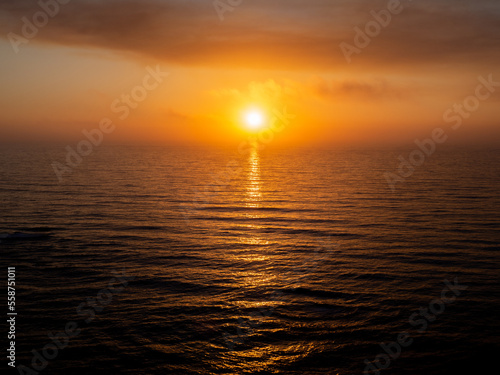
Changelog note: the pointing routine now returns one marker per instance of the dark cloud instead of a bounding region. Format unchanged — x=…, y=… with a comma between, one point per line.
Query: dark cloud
x=378, y=89
x=283, y=34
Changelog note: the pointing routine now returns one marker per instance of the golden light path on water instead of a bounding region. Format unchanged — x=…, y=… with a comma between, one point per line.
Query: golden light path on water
x=252, y=202
x=253, y=196
x=266, y=355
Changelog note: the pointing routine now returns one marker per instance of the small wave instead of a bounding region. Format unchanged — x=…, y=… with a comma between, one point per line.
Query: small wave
x=252, y=209
x=319, y=293
x=19, y=236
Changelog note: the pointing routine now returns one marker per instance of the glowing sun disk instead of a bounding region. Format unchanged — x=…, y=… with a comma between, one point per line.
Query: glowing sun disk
x=254, y=119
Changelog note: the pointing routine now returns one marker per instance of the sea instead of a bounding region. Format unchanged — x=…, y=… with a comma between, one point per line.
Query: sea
x=218, y=260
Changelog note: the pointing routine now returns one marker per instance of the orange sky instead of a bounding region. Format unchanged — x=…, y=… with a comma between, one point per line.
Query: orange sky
x=91, y=54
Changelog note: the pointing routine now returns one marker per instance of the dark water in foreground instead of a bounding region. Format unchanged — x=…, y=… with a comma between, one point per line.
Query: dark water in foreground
x=302, y=263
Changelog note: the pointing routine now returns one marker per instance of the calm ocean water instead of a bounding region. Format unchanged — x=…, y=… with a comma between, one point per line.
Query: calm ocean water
x=271, y=262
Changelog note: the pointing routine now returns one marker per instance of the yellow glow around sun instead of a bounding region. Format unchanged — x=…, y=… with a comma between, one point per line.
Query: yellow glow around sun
x=254, y=119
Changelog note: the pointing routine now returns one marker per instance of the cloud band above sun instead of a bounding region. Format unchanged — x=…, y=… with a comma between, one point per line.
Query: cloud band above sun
x=294, y=34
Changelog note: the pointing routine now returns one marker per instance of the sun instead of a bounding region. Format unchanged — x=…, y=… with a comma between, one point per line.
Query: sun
x=254, y=119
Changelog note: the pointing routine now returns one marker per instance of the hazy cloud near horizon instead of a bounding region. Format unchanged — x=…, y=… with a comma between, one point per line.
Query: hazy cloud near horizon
x=280, y=34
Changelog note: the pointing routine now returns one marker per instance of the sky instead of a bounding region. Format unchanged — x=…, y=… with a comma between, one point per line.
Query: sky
x=68, y=64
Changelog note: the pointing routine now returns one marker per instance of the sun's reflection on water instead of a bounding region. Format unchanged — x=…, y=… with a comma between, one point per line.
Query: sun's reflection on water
x=253, y=198
x=253, y=194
